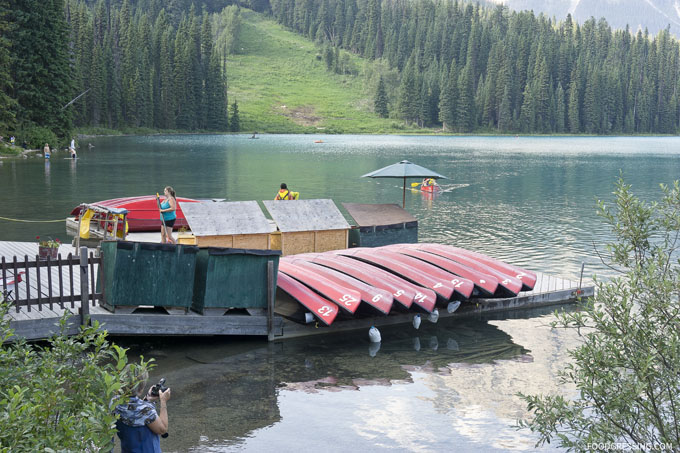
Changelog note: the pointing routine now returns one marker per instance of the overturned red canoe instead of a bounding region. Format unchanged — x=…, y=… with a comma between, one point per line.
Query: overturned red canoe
x=143, y=212
x=442, y=287
x=322, y=309
x=377, y=298
x=511, y=285
x=528, y=278
x=401, y=290
x=462, y=286
x=485, y=284
x=345, y=298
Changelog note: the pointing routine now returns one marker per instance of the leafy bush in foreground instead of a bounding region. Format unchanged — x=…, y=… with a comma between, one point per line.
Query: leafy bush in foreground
x=58, y=397
x=627, y=368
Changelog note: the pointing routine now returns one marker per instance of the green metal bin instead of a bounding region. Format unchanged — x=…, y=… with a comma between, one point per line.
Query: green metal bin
x=232, y=278
x=160, y=275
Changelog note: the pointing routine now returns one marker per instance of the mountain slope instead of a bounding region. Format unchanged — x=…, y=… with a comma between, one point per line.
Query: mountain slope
x=282, y=86
x=655, y=15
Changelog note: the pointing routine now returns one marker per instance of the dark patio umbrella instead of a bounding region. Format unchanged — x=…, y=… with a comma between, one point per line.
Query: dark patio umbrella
x=404, y=169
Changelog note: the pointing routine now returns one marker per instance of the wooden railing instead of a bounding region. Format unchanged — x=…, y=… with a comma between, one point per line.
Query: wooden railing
x=35, y=283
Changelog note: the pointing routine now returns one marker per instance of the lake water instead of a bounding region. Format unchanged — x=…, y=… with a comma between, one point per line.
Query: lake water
x=446, y=387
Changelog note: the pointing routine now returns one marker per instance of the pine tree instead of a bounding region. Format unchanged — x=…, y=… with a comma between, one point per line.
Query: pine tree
x=465, y=113
x=449, y=99
x=328, y=57
x=41, y=73
x=505, y=112
x=7, y=103
x=234, y=119
x=408, y=93
x=560, y=107
x=573, y=110
x=380, y=100
x=527, y=115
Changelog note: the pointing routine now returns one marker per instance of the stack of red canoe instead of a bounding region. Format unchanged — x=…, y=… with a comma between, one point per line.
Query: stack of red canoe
x=400, y=277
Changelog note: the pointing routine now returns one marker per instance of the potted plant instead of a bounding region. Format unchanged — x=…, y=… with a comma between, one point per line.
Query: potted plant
x=48, y=248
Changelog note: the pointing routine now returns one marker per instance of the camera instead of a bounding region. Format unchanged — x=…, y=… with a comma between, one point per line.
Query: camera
x=157, y=388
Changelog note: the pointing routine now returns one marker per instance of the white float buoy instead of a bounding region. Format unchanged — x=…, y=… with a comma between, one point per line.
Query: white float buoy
x=309, y=317
x=374, y=335
x=416, y=321
x=434, y=316
x=453, y=306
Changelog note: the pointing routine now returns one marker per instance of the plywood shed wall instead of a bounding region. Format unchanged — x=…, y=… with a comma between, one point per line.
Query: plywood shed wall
x=239, y=224
x=307, y=226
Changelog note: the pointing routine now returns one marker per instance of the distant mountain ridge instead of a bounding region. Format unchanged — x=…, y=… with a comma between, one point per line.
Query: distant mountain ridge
x=655, y=15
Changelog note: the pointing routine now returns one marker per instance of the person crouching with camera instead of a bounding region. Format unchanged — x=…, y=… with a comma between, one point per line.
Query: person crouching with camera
x=140, y=425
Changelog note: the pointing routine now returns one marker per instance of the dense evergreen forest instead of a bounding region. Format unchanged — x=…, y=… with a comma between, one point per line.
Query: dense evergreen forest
x=444, y=63
x=133, y=64
x=469, y=68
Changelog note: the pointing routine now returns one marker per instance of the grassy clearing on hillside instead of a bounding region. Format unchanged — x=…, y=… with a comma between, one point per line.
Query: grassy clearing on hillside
x=281, y=86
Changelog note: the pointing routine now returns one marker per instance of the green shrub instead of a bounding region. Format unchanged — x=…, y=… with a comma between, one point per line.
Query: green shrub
x=59, y=397
x=626, y=368
x=36, y=137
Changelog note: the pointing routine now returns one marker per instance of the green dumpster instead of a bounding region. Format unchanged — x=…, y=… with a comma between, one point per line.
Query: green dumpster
x=117, y=263
x=159, y=275
x=232, y=278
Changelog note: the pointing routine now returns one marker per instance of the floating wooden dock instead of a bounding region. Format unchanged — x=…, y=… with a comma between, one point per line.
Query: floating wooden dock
x=42, y=321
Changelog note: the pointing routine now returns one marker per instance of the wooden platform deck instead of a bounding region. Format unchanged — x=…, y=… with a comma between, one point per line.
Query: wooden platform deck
x=39, y=323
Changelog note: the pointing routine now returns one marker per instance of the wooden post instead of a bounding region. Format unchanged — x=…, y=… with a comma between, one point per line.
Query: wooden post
x=271, y=292
x=84, y=290
x=80, y=222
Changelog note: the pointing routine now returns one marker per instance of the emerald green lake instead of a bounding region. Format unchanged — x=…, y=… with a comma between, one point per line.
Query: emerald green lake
x=449, y=386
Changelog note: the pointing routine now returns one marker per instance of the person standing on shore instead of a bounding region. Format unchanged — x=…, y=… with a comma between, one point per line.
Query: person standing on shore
x=168, y=215
x=46, y=151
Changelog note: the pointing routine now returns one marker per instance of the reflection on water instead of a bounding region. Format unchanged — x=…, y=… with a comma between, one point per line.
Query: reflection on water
x=230, y=394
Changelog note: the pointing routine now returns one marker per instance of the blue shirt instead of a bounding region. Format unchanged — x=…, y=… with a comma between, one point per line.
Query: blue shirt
x=135, y=436
x=169, y=215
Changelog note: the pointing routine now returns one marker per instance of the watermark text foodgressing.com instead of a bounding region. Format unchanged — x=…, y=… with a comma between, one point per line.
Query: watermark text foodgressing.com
x=621, y=446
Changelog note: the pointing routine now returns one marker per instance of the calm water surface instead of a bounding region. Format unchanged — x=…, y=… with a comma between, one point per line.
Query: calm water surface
x=446, y=387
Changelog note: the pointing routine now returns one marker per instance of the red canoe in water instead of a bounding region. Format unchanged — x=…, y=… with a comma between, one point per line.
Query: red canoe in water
x=143, y=212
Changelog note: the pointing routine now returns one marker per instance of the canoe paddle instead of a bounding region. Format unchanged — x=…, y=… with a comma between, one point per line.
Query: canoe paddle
x=415, y=184
x=158, y=201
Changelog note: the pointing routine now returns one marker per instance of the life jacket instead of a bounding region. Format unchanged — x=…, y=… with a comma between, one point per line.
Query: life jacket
x=283, y=195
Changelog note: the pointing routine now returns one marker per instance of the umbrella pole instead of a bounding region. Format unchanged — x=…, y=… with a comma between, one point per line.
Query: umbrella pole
x=403, y=201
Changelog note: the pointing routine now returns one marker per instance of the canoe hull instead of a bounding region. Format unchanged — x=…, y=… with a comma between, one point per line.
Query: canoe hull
x=143, y=212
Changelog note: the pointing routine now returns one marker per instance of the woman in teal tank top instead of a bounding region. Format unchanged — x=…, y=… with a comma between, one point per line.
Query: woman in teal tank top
x=169, y=215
